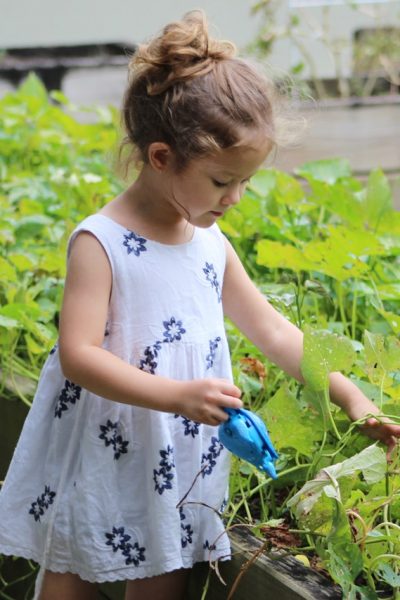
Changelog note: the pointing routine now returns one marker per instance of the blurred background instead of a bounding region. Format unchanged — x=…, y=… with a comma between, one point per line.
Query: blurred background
x=341, y=58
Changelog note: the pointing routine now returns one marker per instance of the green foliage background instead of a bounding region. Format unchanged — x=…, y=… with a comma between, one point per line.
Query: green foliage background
x=322, y=246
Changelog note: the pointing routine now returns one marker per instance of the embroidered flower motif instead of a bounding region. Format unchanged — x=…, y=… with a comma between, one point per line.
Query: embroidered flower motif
x=191, y=427
x=69, y=395
x=111, y=436
x=173, y=330
x=54, y=348
x=208, y=546
x=134, y=243
x=167, y=458
x=149, y=363
x=208, y=461
x=134, y=554
x=42, y=503
x=186, y=530
x=207, y=464
x=120, y=447
x=119, y=540
x=186, y=535
x=163, y=478
x=36, y=510
x=213, y=348
x=216, y=447
x=212, y=277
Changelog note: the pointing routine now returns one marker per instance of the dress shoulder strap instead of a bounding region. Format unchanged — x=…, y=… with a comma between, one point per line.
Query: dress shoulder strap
x=102, y=229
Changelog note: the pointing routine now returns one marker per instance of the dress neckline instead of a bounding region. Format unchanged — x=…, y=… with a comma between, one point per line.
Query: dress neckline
x=182, y=245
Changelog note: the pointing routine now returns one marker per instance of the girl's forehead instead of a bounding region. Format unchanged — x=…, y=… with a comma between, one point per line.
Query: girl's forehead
x=240, y=159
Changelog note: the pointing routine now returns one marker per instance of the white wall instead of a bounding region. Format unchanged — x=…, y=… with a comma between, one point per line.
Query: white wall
x=25, y=23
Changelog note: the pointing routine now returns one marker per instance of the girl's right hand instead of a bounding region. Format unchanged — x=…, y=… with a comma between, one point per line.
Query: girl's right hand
x=203, y=400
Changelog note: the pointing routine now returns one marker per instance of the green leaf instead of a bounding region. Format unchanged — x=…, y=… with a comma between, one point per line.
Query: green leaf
x=382, y=355
x=284, y=256
x=9, y=323
x=388, y=575
x=378, y=200
x=263, y=182
x=371, y=462
x=329, y=170
x=33, y=87
x=324, y=353
x=289, y=425
x=7, y=271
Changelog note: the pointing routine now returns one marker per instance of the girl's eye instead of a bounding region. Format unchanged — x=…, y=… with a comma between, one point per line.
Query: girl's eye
x=224, y=184
x=219, y=183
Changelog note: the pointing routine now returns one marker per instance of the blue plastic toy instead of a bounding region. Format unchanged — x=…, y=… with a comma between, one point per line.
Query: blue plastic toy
x=245, y=435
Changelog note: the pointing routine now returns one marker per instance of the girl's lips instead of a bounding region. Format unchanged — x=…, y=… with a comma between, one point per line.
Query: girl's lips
x=217, y=214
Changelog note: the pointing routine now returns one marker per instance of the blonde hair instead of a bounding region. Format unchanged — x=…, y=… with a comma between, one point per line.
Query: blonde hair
x=192, y=92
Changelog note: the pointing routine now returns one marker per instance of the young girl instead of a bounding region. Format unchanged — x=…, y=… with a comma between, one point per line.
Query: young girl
x=126, y=412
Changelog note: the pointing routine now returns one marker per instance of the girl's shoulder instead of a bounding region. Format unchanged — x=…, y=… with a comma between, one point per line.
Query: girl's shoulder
x=98, y=225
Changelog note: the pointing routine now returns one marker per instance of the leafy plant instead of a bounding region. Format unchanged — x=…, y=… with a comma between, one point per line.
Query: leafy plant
x=326, y=254
x=54, y=171
x=324, y=249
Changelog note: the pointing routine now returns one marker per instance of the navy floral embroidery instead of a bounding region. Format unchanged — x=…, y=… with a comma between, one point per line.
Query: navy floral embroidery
x=212, y=277
x=133, y=554
x=191, y=427
x=216, y=447
x=186, y=535
x=186, y=530
x=173, y=330
x=42, y=503
x=110, y=433
x=208, y=461
x=207, y=464
x=167, y=457
x=213, y=348
x=119, y=540
x=149, y=363
x=54, y=348
x=69, y=395
x=163, y=477
x=208, y=546
x=134, y=243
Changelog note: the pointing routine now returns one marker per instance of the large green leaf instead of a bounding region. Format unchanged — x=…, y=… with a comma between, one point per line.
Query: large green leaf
x=328, y=170
x=371, y=462
x=290, y=425
x=324, y=353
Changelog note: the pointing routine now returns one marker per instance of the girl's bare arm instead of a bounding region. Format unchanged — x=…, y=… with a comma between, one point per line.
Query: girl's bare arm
x=282, y=343
x=86, y=363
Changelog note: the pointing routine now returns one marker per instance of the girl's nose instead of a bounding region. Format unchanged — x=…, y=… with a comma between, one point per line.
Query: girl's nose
x=232, y=196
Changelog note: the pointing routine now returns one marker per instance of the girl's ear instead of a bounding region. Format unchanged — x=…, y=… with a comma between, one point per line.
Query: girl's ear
x=160, y=156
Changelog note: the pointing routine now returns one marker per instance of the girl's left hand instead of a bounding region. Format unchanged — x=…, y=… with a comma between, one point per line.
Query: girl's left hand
x=382, y=429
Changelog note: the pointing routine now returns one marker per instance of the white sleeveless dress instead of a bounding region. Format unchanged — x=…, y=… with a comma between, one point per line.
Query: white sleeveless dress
x=94, y=487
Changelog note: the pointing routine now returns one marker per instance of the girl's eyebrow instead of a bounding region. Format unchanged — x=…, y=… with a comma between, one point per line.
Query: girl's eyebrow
x=233, y=175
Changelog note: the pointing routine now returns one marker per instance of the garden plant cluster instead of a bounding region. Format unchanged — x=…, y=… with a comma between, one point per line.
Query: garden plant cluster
x=324, y=249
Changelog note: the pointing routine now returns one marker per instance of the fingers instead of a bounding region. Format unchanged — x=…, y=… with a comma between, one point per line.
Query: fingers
x=230, y=397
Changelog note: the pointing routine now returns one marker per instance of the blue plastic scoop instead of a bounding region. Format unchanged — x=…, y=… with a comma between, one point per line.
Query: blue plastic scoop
x=245, y=435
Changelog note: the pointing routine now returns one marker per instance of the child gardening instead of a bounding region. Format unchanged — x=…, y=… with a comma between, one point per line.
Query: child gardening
x=126, y=412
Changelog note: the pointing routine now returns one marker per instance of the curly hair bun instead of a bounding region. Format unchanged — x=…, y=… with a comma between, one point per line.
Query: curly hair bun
x=182, y=51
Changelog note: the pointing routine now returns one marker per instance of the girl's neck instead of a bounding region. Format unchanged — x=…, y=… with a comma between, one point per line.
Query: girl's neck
x=144, y=208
